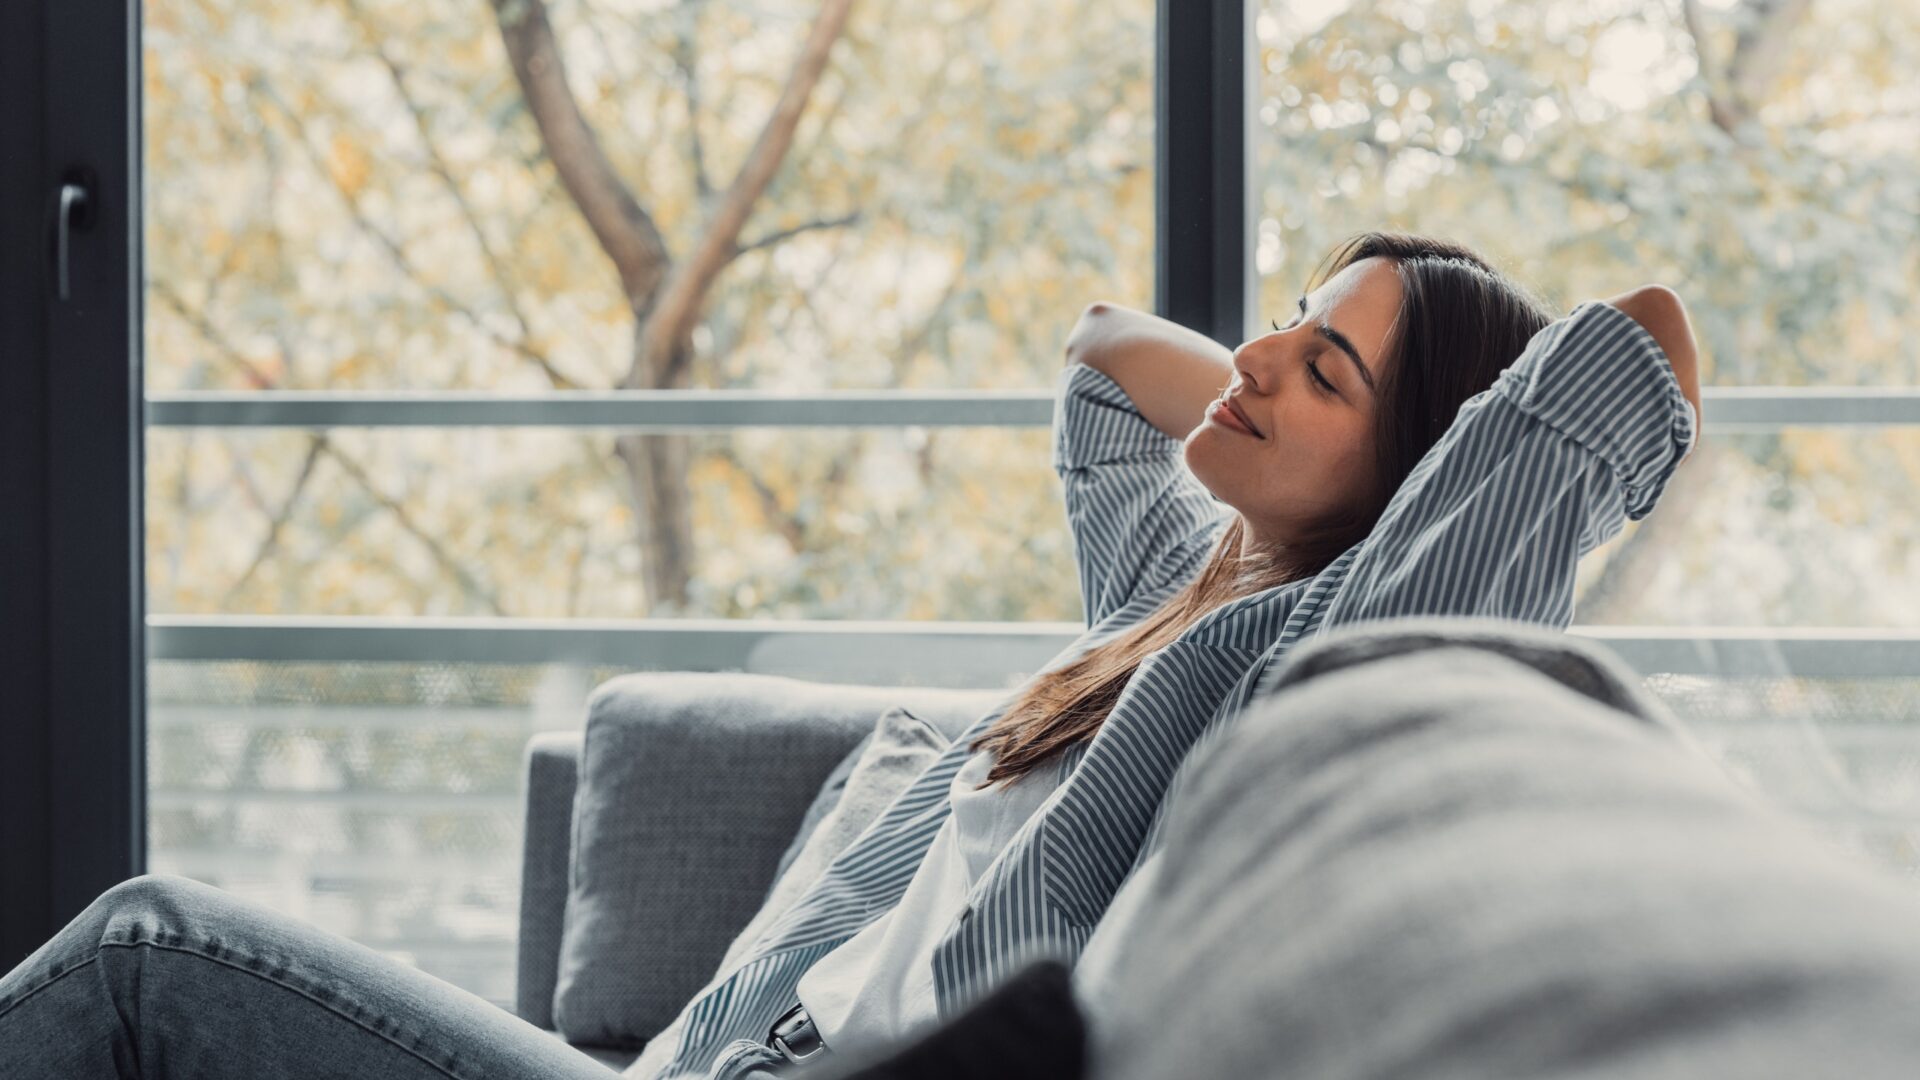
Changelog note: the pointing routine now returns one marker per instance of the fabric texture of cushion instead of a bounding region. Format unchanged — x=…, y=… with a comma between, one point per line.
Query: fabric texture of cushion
x=899, y=748
x=1453, y=862
x=823, y=803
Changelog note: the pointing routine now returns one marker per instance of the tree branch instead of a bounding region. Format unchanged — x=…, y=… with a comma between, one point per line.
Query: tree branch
x=315, y=444
x=789, y=528
x=398, y=253
x=1718, y=109
x=393, y=506
x=437, y=162
x=626, y=232
x=320, y=444
x=210, y=334
x=781, y=235
x=1759, y=50
x=672, y=317
x=686, y=58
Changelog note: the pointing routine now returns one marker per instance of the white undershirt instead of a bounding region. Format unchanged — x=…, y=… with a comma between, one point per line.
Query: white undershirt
x=877, y=986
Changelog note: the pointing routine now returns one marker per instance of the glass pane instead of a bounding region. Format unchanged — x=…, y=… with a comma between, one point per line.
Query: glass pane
x=378, y=801
x=927, y=523
x=358, y=196
x=884, y=523
x=1585, y=149
x=368, y=197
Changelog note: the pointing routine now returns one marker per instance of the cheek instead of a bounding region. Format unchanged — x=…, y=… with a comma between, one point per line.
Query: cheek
x=1232, y=469
x=1311, y=462
x=1314, y=462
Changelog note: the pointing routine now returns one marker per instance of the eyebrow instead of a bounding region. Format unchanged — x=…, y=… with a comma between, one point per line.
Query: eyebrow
x=1339, y=339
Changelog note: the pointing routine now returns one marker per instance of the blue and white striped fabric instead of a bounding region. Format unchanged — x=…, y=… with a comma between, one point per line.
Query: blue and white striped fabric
x=1578, y=435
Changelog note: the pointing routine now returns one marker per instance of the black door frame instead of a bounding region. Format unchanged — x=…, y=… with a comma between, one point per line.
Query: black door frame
x=72, y=642
x=1203, y=210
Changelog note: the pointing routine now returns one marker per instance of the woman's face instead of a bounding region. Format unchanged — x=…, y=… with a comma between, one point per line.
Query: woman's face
x=1314, y=450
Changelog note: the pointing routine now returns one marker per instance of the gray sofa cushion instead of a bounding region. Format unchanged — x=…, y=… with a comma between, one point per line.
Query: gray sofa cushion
x=691, y=785
x=823, y=803
x=1423, y=860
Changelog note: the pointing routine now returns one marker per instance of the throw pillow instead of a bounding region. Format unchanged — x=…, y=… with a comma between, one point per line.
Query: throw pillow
x=899, y=748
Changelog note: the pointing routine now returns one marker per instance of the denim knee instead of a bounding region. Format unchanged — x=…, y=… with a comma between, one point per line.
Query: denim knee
x=154, y=909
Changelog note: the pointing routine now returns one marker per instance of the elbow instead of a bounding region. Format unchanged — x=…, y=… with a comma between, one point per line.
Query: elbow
x=1093, y=326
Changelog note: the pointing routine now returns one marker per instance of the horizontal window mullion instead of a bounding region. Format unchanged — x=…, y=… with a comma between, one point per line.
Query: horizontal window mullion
x=957, y=653
x=663, y=410
x=1728, y=409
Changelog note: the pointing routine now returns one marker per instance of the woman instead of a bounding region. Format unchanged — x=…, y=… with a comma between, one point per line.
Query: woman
x=1384, y=453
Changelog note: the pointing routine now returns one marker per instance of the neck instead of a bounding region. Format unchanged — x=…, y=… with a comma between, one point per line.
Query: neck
x=1257, y=540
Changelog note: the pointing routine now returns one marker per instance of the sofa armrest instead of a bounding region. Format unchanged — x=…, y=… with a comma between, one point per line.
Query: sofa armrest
x=551, y=772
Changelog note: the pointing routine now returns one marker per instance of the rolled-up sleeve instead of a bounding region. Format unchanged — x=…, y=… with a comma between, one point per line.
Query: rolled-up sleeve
x=1576, y=437
x=1139, y=518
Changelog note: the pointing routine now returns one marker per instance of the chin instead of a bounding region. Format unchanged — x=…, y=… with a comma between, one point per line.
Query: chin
x=1205, y=463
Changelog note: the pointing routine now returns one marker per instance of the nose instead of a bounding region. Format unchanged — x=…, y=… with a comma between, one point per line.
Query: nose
x=1258, y=361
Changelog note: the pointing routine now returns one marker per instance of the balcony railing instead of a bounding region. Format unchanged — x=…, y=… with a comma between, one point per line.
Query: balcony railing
x=1728, y=409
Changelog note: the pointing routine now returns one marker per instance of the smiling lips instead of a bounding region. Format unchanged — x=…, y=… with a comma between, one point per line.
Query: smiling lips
x=1232, y=415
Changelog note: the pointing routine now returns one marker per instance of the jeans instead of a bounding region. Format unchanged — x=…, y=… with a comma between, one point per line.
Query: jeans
x=165, y=977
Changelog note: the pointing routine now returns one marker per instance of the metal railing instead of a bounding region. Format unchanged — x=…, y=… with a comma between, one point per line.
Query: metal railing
x=977, y=654
x=1728, y=409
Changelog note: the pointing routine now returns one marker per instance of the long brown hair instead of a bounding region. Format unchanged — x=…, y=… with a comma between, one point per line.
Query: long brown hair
x=1461, y=322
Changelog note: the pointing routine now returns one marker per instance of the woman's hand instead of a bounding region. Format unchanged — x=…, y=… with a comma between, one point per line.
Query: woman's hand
x=1659, y=311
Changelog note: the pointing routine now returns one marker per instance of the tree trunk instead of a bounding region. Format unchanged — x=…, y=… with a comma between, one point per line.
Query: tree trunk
x=657, y=487
x=663, y=515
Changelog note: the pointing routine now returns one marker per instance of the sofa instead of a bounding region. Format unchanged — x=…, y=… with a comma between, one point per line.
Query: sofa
x=1434, y=847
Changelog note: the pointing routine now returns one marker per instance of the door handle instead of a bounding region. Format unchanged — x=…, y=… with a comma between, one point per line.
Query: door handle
x=73, y=212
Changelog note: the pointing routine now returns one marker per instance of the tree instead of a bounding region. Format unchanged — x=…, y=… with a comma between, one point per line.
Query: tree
x=665, y=294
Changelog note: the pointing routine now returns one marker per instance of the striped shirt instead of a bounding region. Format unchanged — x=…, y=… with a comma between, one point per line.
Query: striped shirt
x=1580, y=434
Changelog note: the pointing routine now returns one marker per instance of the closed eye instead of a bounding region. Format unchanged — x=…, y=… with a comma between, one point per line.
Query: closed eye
x=1311, y=366
x=1319, y=378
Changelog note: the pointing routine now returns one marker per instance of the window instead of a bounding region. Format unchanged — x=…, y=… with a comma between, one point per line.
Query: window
x=415, y=483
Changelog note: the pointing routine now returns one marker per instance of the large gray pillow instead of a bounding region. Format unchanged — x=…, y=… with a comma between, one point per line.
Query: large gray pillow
x=900, y=747
x=1467, y=861
x=823, y=802
x=691, y=787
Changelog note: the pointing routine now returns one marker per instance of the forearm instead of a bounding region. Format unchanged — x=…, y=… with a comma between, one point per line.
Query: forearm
x=1578, y=436
x=1661, y=313
x=1171, y=373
